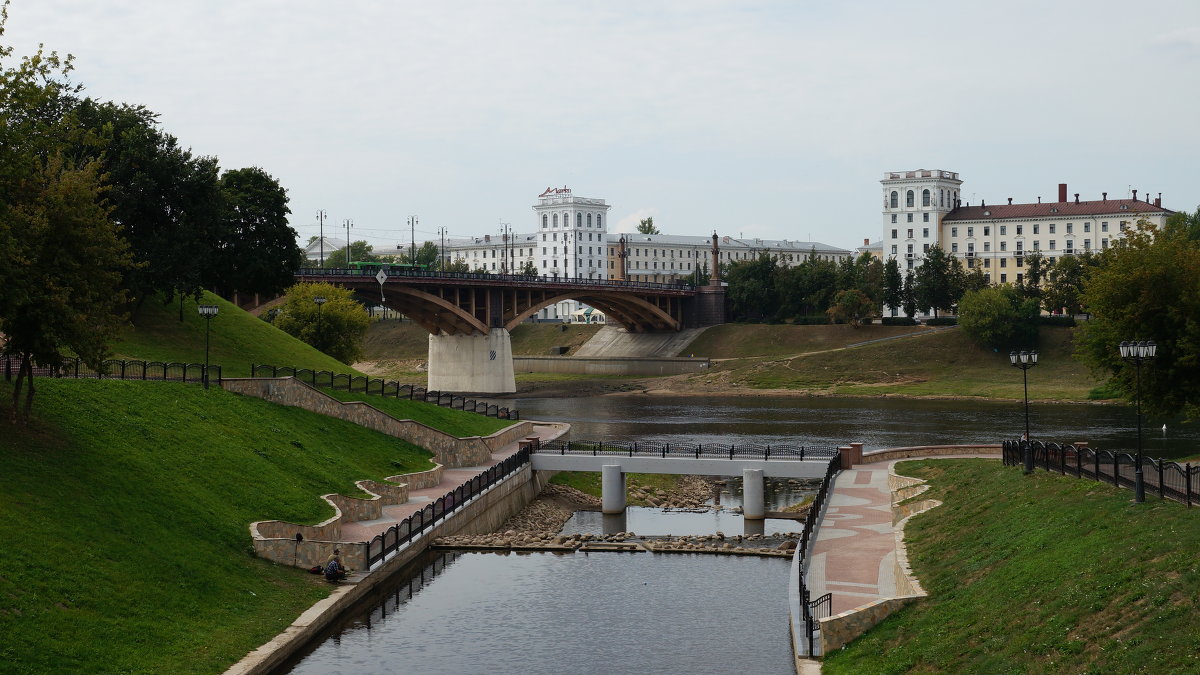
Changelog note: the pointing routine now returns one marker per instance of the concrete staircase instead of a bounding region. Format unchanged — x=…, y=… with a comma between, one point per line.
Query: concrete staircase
x=615, y=341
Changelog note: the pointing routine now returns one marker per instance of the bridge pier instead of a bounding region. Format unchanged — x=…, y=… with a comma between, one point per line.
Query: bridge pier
x=753, y=505
x=472, y=363
x=612, y=489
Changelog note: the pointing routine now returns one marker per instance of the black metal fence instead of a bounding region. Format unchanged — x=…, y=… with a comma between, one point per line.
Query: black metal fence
x=120, y=369
x=380, y=387
x=408, y=529
x=815, y=610
x=692, y=450
x=1171, y=480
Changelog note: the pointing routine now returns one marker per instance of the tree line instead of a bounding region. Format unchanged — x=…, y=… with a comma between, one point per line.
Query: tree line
x=102, y=210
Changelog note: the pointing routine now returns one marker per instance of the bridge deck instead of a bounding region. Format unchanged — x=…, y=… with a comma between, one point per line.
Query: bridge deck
x=813, y=467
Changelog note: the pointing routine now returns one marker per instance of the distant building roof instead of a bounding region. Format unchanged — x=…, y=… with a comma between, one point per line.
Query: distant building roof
x=1107, y=207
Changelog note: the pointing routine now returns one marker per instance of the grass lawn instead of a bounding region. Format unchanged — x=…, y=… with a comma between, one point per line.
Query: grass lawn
x=1040, y=574
x=941, y=364
x=454, y=422
x=126, y=506
x=742, y=340
x=238, y=339
x=536, y=339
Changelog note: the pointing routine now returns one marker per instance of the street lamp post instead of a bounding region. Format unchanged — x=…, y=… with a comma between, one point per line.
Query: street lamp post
x=1025, y=360
x=1136, y=353
x=320, y=300
x=208, y=312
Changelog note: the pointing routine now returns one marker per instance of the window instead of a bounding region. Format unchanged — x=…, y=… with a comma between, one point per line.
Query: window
x=1087, y=227
x=970, y=263
x=925, y=232
x=910, y=249
x=895, y=199
x=1020, y=278
x=1037, y=245
x=1070, y=228
x=987, y=245
x=1018, y=230
x=893, y=217
x=1051, y=244
x=941, y=197
x=1104, y=243
x=910, y=233
x=894, y=234
x=556, y=250
x=1087, y=244
x=971, y=248
x=1051, y=228
x=543, y=220
x=1020, y=246
x=578, y=219
x=589, y=220
x=893, y=249
x=987, y=230
x=1003, y=230
x=970, y=232
x=554, y=236
x=543, y=236
x=1004, y=262
x=925, y=198
x=1104, y=226
x=987, y=262
x=910, y=263
x=1070, y=246
x=925, y=217
x=1003, y=278
x=954, y=247
x=908, y=199
x=927, y=248
x=543, y=252
x=954, y=232
x=1003, y=245
x=910, y=217
x=1124, y=224
x=1035, y=228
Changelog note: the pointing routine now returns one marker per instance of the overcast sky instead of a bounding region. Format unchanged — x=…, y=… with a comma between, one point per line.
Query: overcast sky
x=764, y=119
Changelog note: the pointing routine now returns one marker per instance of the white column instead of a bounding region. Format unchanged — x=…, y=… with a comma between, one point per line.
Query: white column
x=753, y=506
x=612, y=489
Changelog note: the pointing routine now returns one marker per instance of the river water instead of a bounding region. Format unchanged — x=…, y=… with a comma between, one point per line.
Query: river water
x=631, y=613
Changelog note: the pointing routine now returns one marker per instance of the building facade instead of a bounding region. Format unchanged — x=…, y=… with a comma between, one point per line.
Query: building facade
x=667, y=258
x=922, y=208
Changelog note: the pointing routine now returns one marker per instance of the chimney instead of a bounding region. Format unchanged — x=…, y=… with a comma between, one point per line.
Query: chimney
x=982, y=203
x=1076, y=197
x=1062, y=192
x=1135, y=195
x=866, y=242
x=1010, y=201
x=1158, y=200
x=487, y=237
x=1039, y=199
x=1105, y=195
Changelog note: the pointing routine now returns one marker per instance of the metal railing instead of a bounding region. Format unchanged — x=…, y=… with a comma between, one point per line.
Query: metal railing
x=1171, y=480
x=434, y=275
x=380, y=387
x=691, y=450
x=411, y=527
x=812, y=609
x=120, y=369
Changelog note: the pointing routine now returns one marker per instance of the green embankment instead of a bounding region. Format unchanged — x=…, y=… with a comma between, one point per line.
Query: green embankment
x=454, y=422
x=740, y=340
x=126, y=507
x=942, y=363
x=238, y=339
x=1039, y=574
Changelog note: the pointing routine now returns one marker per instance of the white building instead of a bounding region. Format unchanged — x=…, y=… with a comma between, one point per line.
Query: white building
x=923, y=208
x=667, y=258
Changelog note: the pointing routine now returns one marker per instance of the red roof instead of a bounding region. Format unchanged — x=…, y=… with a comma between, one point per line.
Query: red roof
x=1110, y=207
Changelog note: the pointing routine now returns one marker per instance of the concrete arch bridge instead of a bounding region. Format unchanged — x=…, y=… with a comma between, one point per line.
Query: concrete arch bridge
x=469, y=315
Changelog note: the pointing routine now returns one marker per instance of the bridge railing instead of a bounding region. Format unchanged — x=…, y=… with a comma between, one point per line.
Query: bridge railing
x=411, y=527
x=687, y=450
x=1171, y=480
x=380, y=387
x=434, y=275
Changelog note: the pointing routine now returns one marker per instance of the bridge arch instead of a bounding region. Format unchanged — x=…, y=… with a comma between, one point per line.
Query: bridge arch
x=436, y=315
x=637, y=315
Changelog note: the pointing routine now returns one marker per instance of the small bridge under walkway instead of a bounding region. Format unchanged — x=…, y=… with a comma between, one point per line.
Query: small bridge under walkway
x=613, y=460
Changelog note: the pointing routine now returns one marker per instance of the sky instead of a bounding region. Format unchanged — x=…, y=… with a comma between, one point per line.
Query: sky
x=754, y=119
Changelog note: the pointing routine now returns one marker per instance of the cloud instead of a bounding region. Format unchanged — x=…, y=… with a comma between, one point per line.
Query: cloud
x=630, y=222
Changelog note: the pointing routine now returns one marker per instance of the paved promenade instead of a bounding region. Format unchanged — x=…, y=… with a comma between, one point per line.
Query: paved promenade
x=365, y=530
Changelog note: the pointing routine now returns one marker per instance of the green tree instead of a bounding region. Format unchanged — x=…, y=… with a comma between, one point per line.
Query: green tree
x=975, y=280
x=871, y=278
x=337, y=327
x=751, y=291
x=1036, y=269
x=936, y=287
x=257, y=252
x=1188, y=224
x=999, y=317
x=1064, y=290
x=647, y=226
x=360, y=251
x=528, y=269
x=427, y=254
x=852, y=307
x=910, y=295
x=459, y=266
x=699, y=275
x=1148, y=288
x=893, y=284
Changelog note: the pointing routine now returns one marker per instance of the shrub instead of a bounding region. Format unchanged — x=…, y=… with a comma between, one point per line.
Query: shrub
x=942, y=321
x=999, y=317
x=1063, y=321
x=898, y=321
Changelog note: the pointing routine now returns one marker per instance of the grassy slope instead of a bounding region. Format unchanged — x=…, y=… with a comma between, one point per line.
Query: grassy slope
x=238, y=339
x=125, y=514
x=454, y=422
x=737, y=340
x=530, y=339
x=945, y=363
x=1044, y=574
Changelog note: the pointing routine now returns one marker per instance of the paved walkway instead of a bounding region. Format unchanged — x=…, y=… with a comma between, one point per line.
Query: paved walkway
x=365, y=530
x=854, y=555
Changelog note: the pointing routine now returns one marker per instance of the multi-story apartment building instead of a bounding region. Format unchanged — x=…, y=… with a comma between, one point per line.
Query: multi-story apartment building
x=671, y=257
x=922, y=208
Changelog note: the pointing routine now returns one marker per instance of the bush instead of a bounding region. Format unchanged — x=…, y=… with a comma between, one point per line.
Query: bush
x=999, y=317
x=1062, y=321
x=898, y=321
x=942, y=321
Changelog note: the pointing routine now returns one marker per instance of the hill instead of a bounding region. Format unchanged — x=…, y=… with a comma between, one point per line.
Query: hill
x=126, y=507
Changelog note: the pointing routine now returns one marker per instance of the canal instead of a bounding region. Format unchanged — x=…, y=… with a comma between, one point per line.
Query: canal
x=622, y=612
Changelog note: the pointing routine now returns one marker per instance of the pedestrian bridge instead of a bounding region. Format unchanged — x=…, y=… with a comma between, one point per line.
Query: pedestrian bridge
x=615, y=459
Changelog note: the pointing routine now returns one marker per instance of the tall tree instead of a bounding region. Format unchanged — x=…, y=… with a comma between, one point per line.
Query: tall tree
x=935, y=282
x=910, y=295
x=893, y=284
x=336, y=327
x=360, y=251
x=751, y=293
x=1036, y=269
x=647, y=226
x=1064, y=290
x=257, y=251
x=851, y=306
x=999, y=317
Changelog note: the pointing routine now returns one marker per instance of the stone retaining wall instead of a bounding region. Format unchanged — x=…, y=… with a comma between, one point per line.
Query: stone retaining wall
x=419, y=480
x=609, y=365
x=449, y=450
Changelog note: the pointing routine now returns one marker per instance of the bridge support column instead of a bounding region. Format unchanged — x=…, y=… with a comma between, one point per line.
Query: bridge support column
x=753, y=505
x=612, y=489
x=472, y=363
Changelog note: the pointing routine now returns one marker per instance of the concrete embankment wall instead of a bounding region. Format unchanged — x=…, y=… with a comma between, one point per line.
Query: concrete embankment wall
x=450, y=451
x=483, y=514
x=615, y=365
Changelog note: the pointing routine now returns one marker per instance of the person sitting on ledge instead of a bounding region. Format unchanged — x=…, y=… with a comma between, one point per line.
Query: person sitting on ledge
x=334, y=571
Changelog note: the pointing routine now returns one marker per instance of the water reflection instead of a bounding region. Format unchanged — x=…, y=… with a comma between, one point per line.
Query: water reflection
x=656, y=522
x=876, y=422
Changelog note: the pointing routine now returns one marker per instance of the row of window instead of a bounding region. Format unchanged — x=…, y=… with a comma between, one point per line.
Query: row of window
x=552, y=220
x=987, y=247
x=926, y=198
x=1019, y=229
x=924, y=217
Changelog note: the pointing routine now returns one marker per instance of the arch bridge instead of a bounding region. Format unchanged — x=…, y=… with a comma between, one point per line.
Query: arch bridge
x=469, y=315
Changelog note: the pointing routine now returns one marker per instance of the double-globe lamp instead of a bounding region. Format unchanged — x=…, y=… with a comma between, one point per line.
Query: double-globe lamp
x=208, y=312
x=1025, y=360
x=1136, y=352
